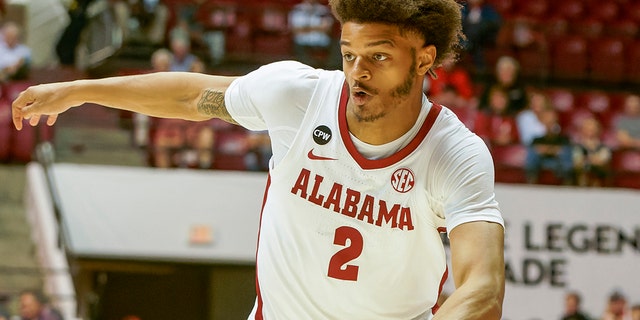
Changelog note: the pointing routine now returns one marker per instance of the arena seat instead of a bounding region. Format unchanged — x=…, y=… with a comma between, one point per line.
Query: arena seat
x=533, y=9
x=624, y=28
x=230, y=148
x=570, y=9
x=569, y=58
x=509, y=163
x=606, y=11
x=589, y=28
x=5, y=130
x=632, y=66
x=626, y=168
x=506, y=8
x=607, y=60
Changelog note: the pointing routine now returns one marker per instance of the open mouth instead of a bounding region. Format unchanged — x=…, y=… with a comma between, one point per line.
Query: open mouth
x=360, y=94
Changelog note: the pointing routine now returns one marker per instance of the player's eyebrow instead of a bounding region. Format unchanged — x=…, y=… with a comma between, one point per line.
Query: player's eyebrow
x=371, y=44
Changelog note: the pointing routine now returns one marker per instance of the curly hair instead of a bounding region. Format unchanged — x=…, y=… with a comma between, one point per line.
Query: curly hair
x=439, y=22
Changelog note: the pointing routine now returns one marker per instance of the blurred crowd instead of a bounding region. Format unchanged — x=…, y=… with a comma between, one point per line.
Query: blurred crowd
x=617, y=307
x=538, y=133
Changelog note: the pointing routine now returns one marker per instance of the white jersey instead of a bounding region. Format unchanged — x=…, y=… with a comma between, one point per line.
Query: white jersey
x=343, y=236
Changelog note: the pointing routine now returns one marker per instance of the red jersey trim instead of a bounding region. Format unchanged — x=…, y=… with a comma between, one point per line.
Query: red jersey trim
x=259, y=315
x=436, y=306
x=386, y=162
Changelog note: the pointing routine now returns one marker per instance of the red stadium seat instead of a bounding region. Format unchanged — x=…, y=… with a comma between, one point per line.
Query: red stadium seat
x=534, y=62
x=239, y=38
x=632, y=65
x=533, y=9
x=605, y=11
x=570, y=9
x=632, y=11
x=555, y=27
x=569, y=58
x=509, y=163
x=588, y=28
x=625, y=29
x=506, y=8
x=230, y=149
x=272, y=40
x=626, y=168
x=5, y=130
x=607, y=60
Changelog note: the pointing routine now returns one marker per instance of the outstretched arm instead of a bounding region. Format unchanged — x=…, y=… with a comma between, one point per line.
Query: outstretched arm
x=477, y=262
x=190, y=96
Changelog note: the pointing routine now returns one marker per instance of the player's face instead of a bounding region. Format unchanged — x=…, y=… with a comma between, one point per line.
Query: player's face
x=384, y=68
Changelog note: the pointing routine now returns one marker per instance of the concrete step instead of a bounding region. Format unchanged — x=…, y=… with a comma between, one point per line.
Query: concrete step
x=19, y=268
x=97, y=146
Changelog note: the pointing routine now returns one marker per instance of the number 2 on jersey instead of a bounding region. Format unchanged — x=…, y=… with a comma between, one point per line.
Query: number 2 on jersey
x=338, y=265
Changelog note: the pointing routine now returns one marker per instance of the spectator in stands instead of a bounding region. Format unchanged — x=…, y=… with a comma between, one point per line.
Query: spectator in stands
x=15, y=57
x=258, y=151
x=525, y=36
x=528, y=121
x=198, y=148
x=616, y=307
x=311, y=24
x=481, y=23
x=34, y=306
x=4, y=313
x=572, y=307
x=591, y=157
x=70, y=37
x=493, y=124
x=182, y=59
x=142, y=20
x=451, y=87
x=508, y=77
x=188, y=25
x=628, y=125
x=550, y=151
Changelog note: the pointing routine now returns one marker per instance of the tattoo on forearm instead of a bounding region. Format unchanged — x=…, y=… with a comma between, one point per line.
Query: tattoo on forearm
x=212, y=104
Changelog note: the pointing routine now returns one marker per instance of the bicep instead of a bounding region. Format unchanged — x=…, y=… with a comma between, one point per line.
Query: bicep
x=477, y=253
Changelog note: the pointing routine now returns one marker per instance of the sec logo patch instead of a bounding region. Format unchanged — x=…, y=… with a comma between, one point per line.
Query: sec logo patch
x=402, y=180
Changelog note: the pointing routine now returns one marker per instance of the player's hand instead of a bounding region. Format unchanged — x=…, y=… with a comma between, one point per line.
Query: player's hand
x=42, y=100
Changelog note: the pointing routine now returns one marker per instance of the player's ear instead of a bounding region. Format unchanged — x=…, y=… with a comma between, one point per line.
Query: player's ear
x=426, y=58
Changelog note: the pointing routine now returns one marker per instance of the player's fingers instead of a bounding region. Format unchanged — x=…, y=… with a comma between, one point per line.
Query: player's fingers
x=18, y=109
x=52, y=119
x=34, y=120
x=17, y=120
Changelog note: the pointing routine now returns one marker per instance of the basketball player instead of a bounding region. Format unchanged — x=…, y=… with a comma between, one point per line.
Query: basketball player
x=365, y=174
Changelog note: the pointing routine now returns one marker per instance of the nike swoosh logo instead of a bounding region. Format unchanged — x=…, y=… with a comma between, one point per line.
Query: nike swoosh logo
x=312, y=156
